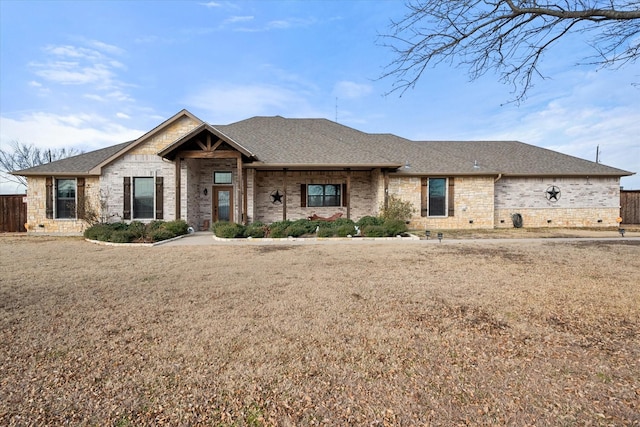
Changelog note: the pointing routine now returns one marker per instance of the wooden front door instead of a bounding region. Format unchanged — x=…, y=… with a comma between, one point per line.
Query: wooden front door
x=222, y=204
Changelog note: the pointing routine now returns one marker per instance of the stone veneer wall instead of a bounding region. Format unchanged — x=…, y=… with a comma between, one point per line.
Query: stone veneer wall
x=163, y=139
x=137, y=165
x=582, y=203
x=363, y=200
x=473, y=202
x=37, y=221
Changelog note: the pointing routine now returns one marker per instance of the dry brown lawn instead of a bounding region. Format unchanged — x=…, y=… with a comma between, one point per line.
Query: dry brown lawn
x=382, y=333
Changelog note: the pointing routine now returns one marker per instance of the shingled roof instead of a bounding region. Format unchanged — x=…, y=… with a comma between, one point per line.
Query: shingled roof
x=76, y=165
x=278, y=142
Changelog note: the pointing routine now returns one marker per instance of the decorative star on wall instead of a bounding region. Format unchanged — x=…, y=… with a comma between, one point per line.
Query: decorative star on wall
x=276, y=197
x=553, y=193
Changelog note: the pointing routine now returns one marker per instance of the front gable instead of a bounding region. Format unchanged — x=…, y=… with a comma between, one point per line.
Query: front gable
x=156, y=139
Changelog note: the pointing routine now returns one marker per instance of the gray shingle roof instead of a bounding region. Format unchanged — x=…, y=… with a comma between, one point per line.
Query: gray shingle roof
x=314, y=143
x=75, y=165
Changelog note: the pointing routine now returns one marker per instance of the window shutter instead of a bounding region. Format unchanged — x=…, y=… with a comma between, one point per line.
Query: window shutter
x=451, y=196
x=49, y=195
x=424, y=197
x=159, y=197
x=303, y=195
x=126, y=211
x=344, y=194
x=80, y=208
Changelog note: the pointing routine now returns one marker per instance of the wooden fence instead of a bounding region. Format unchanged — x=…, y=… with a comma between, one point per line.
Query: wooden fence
x=13, y=213
x=630, y=206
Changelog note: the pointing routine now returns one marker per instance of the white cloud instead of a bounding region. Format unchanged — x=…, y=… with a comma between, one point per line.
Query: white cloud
x=82, y=131
x=238, y=102
x=211, y=4
x=351, y=90
x=235, y=19
x=121, y=115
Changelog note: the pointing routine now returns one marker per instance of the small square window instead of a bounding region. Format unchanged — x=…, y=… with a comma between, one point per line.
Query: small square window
x=222, y=177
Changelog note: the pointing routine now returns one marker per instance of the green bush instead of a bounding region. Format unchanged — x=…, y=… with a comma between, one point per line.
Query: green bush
x=160, y=234
x=393, y=227
x=255, y=230
x=96, y=231
x=296, y=230
x=341, y=222
x=122, y=236
x=279, y=229
x=155, y=225
x=346, y=230
x=373, y=231
x=138, y=230
x=228, y=230
x=326, y=232
x=369, y=220
x=177, y=227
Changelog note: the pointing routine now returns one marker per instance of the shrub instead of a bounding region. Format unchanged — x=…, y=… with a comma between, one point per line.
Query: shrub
x=393, y=227
x=177, y=227
x=279, y=229
x=138, y=230
x=228, y=230
x=296, y=230
x=122, y=236
x=255, y=230
x=397, y=209
x=160, y=234
x=373, y=231
x=326, y=232
x=341, y=222
x=95, y=232
x=155, y=225
x=369, y=220
x=346, y=230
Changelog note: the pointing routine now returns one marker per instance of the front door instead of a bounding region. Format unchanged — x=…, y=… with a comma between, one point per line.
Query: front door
x=222, y=204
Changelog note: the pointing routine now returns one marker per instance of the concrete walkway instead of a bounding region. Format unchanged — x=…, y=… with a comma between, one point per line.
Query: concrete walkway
x=206, y=238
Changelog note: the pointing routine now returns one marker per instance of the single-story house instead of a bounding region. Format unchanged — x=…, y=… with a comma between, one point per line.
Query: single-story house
x=273, y=168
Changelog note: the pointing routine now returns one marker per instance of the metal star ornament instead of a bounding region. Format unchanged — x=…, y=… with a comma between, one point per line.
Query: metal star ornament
x=553, y=193
x=276, y=197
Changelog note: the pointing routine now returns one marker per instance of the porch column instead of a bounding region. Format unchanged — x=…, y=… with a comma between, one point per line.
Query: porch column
x=241, y=209
x=348, y=195
x=177, y=180
x=284, y=190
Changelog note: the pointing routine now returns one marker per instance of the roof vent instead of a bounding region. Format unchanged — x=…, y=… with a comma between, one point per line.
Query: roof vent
x=476, y=165
x=407, y=165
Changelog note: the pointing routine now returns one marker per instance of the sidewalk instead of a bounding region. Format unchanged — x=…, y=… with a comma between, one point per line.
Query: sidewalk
x=206, y=238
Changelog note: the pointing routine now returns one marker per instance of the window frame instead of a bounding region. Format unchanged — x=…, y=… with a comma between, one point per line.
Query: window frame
x=221, y=172
x=73, y=213
x=134, y=207
x=445, y=197
x=324, y=196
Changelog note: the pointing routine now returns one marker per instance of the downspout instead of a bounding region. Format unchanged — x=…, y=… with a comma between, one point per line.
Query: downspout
x=498, y=178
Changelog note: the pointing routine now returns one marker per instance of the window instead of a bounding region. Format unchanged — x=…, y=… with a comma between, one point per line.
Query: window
x=143, y=198
x=437, y=197
x=323, y=195
x=65, y=198
x=222, y=177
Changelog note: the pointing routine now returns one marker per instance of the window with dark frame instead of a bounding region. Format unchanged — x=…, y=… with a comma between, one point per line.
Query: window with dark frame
x=143, y=192
x=320, y=195
x=222, y=177
x=437, y=197
x=66, y=198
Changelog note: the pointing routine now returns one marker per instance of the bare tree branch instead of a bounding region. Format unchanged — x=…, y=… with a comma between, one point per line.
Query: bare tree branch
x=23, y=156
x=507, y=36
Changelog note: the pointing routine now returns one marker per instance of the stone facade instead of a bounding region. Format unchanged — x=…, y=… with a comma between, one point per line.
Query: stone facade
x=582, y=202
x=37, y=221
x=362, y=198
x=472, y=204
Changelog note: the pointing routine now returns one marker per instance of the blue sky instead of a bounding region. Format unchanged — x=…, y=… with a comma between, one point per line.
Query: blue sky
x=87, y=74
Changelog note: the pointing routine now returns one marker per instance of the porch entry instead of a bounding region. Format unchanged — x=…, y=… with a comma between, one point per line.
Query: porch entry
x=222, y=204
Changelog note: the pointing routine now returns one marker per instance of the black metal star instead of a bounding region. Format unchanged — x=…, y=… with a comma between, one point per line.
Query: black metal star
x=553, y=193
x=276, y=197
